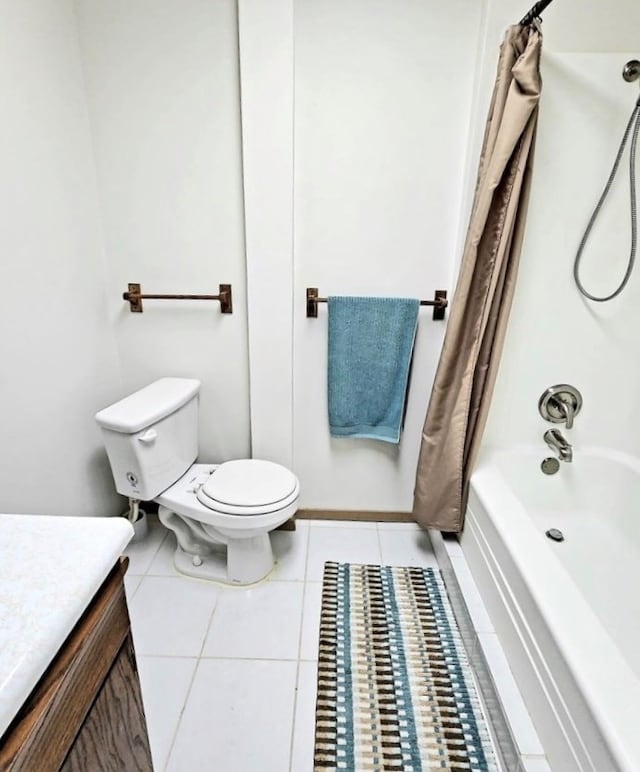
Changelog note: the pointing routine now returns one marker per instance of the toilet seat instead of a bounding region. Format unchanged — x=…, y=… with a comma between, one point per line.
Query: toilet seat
x=248, y=487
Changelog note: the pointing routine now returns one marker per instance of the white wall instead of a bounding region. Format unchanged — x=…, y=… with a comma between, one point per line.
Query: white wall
x=265, y=32
x=59, y=362
x=555, y=335
x=163, y=93
x=383, y=96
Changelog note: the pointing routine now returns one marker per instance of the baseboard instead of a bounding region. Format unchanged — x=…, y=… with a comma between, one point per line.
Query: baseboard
x=355, y=514
x=288, y=525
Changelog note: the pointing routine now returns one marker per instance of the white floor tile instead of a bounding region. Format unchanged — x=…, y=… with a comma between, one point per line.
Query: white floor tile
x=131, y=583
x=342, y=524
x=260, y=622
x=141, y=553
x=170, y=616
x=237, y=652
x=165, y=684
x=238, y=718
x=311, y=621
x=399, y=527
x=162, y=563
x=477, y=611
x=304, y=721
x=407, y=548
x=342, y=545
x=522, y=728
x=290, y=553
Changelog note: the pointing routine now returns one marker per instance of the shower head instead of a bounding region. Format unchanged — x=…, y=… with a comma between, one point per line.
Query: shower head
x=631, y=71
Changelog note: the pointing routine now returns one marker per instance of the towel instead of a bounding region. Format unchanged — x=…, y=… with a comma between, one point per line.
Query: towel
x=370, y=347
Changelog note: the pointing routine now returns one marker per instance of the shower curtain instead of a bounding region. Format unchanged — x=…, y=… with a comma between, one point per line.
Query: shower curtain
x=477, y=324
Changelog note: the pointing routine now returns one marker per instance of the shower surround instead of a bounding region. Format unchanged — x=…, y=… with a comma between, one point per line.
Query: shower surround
x=564, y=611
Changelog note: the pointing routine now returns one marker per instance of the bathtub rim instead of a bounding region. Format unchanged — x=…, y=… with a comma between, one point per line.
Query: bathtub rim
x=581, y=639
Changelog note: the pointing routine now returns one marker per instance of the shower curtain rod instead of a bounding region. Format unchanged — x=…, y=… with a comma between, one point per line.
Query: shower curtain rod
x=535, y=12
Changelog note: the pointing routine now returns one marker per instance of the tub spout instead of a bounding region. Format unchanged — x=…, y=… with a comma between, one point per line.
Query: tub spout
x=557, y=442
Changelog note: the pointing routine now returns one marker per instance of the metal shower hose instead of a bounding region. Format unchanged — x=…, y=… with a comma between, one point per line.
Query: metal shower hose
x=632, y=126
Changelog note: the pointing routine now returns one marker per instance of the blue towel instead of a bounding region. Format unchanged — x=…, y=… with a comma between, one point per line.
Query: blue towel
x=370, y=347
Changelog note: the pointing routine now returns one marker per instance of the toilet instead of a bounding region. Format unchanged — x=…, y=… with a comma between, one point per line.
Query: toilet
x=221, y=514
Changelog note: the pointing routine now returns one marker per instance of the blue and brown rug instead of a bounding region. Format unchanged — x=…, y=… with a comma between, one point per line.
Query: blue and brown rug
x=394, y=685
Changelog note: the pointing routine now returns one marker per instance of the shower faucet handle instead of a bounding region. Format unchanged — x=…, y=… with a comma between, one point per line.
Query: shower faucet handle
x=567, y=410
x=560, y=404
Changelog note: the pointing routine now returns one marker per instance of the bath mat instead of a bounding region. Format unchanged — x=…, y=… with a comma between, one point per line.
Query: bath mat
x=394, y=685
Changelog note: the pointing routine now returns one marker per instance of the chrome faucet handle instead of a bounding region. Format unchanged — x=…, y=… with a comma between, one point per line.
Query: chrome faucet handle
x=560, y=404
x=566, y=409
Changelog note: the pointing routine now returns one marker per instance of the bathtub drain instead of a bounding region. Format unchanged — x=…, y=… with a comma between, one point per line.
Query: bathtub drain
x=555, y=534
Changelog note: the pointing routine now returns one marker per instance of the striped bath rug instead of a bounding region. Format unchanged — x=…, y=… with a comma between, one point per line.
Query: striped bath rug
x=394, y=684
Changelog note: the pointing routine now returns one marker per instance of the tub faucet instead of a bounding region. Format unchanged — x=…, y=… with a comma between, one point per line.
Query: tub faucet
x=566, y=410
x=557, y=442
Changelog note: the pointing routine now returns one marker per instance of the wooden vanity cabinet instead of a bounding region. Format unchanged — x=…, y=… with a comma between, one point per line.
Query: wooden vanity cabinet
x=85, y=714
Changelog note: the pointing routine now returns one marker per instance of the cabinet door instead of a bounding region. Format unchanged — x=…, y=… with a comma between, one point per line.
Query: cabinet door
x=114, y=736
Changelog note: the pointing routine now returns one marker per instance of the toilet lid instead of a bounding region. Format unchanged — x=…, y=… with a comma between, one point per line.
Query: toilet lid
x=249, y=483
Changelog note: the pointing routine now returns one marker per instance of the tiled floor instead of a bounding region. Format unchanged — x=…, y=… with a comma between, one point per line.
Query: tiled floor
x=229, y=674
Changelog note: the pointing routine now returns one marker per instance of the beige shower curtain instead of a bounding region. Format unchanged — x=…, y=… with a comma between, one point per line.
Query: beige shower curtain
x=471, y=351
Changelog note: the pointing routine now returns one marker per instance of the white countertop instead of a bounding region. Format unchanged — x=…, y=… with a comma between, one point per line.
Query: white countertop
x=50, y=569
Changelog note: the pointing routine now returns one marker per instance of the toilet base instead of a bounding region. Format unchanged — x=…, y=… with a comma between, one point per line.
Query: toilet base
x=205, y=553
x=231, y=565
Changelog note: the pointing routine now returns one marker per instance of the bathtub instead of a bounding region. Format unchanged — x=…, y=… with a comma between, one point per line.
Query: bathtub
x=567, y=613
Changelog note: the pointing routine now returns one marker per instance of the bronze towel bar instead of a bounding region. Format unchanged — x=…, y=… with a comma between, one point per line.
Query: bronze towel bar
x=439, y=303
x=135, y=296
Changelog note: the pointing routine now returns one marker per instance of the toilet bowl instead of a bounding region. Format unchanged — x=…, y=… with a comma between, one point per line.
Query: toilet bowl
x=233, y=505
x=221, y=514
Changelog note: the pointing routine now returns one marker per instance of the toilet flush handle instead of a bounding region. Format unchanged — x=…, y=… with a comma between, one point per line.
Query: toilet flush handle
x=149, y=437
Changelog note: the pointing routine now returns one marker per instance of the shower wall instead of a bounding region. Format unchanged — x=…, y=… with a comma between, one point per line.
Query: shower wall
x=555, y=335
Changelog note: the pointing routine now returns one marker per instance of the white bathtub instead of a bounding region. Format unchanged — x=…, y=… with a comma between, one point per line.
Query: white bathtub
x=567, y=614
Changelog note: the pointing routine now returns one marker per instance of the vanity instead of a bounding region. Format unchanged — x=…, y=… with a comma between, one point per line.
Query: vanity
x=69, y=689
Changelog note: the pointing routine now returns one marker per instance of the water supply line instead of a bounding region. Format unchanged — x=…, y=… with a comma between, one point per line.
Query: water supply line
x=630, y=73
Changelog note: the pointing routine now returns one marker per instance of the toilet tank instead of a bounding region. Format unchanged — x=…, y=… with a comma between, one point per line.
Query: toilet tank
x=151, y=436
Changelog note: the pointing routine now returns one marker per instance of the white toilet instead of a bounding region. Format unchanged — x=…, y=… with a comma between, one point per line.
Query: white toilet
x=151, y=439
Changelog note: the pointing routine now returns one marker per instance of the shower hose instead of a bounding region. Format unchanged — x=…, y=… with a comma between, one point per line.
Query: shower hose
x=633, y=130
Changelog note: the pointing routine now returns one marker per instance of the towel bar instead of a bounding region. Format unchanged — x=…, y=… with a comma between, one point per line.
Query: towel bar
x=135, y=296
x=439, y=303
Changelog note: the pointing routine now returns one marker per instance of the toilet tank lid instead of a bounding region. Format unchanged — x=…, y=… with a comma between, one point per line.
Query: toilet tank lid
x=148, y=405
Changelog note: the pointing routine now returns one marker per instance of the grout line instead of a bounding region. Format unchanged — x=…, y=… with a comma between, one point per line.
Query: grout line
x=166, y=656
x=246, y=659
x=302, y=618
x=218, y=657
x=195, y=670
x=128, y=597
x=155, y=554
x=182, y=709
x=198, y=659
x=208, y=630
